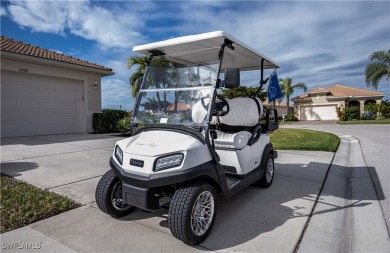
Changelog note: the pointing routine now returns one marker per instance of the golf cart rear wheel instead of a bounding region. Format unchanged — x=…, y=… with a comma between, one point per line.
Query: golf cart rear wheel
x=109, y=196
x=269, y=171
x=192, y=212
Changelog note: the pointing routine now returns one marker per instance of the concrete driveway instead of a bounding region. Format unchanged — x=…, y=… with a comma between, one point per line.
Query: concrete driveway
x=255, y=220
x=69, y=164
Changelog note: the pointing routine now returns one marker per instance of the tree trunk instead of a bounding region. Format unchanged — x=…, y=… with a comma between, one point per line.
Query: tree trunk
x=165, y=103
x=176, y=100
x=158, y=102
x=288, y=102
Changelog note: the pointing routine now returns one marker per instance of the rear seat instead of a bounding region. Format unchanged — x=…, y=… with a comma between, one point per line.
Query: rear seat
x=244, y=113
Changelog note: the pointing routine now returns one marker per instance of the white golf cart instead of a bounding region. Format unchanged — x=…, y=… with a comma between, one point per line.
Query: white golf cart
x=188, y=143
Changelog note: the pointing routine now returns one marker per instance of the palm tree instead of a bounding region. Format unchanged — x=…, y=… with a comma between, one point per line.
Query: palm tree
x=287, y=89
x=378, y=68
x=135, y=78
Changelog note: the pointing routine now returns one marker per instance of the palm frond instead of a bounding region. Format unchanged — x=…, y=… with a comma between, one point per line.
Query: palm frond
x=375, y=71
x=137, y=60
x=381, y=56
x=300, y=85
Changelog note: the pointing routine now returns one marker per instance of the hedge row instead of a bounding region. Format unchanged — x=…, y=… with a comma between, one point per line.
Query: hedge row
x=107, y=120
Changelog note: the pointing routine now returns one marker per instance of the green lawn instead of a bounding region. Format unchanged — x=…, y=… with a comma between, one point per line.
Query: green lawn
x=302, y=139
x=357, y=122
x=22, y=204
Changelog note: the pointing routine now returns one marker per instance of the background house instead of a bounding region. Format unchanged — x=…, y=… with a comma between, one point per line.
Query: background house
x=321, y=103
x=280, y=107
x=45, y=92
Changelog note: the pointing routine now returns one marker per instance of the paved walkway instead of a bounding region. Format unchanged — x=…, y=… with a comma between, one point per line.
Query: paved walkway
x=314, y=123
x=374, y=141
x=348, y=215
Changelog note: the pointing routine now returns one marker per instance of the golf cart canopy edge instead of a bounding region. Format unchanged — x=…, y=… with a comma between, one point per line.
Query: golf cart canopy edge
x=198, y=48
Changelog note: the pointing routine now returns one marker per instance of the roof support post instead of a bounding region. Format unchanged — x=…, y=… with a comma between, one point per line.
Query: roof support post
x=262, y=81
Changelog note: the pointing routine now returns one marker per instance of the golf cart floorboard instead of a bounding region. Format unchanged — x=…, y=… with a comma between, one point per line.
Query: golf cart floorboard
x=235, y=183
x=230, y=181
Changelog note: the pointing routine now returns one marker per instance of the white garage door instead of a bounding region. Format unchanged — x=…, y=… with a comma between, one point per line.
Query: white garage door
x=327, y=112
x=39, y=105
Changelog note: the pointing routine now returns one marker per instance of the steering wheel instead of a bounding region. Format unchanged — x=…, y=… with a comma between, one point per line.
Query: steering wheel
x=220, y=103
x=203, y=103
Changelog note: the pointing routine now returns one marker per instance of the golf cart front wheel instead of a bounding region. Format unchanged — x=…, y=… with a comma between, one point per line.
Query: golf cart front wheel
x=269, y=171
x=109, y=196
x=192, y=213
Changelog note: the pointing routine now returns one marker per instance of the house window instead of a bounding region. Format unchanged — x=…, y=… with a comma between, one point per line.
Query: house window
x=369, y=102
x=353, y=103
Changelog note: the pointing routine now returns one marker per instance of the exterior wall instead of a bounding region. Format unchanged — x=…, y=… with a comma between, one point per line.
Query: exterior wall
x=94, y=100
x=281, y=109
x=318, y=99
x=91, y=96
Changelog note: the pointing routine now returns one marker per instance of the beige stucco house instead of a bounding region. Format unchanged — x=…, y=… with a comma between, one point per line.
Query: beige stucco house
x=321, y=103
x=45, y=92
x=280, y=107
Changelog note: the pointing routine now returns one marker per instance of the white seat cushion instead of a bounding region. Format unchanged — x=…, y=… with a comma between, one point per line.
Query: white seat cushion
x=243, y=112
x=232, y=140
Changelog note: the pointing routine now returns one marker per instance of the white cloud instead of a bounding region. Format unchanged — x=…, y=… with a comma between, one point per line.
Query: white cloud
x=39, y=15
x=3, y=11
x=109, y=27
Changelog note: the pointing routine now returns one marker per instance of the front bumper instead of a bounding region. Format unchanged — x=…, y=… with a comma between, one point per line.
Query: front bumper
x=140, y=191
x=143, y=198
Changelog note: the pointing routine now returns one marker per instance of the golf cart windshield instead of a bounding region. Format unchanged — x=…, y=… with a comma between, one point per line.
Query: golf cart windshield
x=177, y=91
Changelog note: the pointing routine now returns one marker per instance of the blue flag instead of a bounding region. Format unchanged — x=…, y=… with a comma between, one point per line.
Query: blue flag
x=274, y=89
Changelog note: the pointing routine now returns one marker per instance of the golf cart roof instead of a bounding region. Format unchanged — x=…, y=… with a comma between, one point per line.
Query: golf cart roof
x=198, y=48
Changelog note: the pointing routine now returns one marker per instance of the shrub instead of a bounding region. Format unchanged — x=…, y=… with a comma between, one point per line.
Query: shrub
x=123, y=125
x=291, y=117
x=106, y=121
x=352, y=113
x=371, y=108
x=340, y=113
x=384, y=110
x=381, y=110
x=367, y=115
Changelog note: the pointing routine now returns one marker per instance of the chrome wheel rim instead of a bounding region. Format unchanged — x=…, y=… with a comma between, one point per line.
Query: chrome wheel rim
x=270, y=170
x=202, y=213
x=116, y=197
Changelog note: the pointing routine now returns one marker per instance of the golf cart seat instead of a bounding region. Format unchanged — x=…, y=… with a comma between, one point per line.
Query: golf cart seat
x=239, y=127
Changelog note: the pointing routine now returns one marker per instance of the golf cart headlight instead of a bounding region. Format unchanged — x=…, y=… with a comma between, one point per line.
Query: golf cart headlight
x=119, y=154
x=167, y=162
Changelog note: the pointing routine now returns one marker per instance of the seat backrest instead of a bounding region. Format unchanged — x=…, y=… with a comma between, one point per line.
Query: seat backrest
x=242, y=112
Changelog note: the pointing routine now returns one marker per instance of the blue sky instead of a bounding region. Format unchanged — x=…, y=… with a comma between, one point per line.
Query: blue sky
x=317, y=42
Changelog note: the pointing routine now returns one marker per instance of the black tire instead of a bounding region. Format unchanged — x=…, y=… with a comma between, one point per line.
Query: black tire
x=108, y=196
x=268, y=166
x=185, y=205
